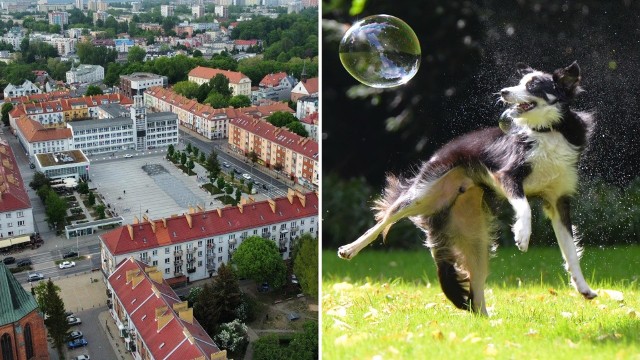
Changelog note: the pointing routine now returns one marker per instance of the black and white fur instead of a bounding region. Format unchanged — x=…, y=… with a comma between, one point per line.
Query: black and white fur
x=453, y=196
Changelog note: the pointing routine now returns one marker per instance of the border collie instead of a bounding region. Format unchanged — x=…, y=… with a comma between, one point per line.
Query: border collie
x=454, y=196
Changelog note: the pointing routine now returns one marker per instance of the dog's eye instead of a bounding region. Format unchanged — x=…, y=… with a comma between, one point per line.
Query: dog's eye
x=532, y=83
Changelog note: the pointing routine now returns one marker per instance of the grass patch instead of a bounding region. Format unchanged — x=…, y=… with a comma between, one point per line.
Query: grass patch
x=19, y=269
x=389, y=304
x=226, y=199
x=212, y=189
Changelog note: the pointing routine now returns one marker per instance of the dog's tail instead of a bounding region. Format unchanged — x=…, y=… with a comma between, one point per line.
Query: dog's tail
x=422, y=196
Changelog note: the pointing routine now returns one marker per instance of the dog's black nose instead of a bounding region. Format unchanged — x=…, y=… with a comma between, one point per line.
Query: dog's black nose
x=504, y=92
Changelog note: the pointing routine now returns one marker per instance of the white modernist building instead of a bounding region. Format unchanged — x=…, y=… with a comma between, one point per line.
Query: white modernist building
x=85, y=74
x=27, y=88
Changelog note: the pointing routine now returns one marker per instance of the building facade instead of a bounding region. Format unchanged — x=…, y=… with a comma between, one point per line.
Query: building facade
x=154, y=323
x=37, y=139
x=166, y=10
x=27, y=88
x=304, y=88
x=16, y=213
x=23, y=335
x=192, y=246
x=294, y=156
x=137, y=83
x=85, y=74
x=274, y=87
x=239, y=83
x=63, y=164
x=58, y=18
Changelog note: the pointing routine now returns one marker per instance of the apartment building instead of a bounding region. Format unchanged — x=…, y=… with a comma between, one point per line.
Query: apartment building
x=138, y=82
x=274, y=87
x=239, y=83
x=291, y=154
x=58, y=18
x=27, y=88
x=193, y=245
x=204, y=119
x=167, y=10
x=85, y=74
x=304, y=87
x=16, y=213
x=37, y=139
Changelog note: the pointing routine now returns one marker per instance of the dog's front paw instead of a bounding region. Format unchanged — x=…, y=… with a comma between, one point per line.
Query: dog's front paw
x=344, y=252
x=522, y=233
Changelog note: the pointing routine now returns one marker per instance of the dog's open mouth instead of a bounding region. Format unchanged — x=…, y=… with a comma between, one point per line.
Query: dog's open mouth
x=526, y=106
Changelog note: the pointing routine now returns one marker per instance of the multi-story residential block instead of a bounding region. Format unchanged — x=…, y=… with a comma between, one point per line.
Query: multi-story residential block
x=204, y=119
x=57, y=112
x=16, y=213
x=304, y=88
x=197, y=11
x=287, y=152
x=14, y=37
x=136, y=6
x=239, y=83
x=244, y=45
x=310, y=123
x=192, y=246
x=59, y=18
x=65, y=46
x=100, y=15
x=307, y=105
x=154, y=322
x=27, y=88
x=166, y=10
x=221, y=11
x=274, y=87
x=85, y=74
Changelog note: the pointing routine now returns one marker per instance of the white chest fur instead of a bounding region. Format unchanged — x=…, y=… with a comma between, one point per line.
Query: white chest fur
x=553, y=165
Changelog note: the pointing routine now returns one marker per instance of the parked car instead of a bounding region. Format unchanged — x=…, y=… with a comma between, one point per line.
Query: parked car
x=246, y=176
x=24, y=262
x=81, y=357
x=69, y=254
x=72, y=320
x=225, y=164
x=293, y=316
x=77, y=343
x=76, y=334
x=35, y=277
x=9, y=260
x=237, y=171
x=67, y=264
x=264, y=287
x=68, y=313
x=128, y=155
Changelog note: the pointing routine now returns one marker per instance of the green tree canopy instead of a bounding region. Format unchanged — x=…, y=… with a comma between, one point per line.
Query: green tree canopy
x=296, y=127
x=56, y=321
x=281, y=118
x=93, y=90
x=136, y=54
x=239, y=101
x=39, y=180
x=213, y=165
x=6, y=109
x=56, y=209
x=217, y=302
x=187, y=89
x=217, y=100
x=220, y=84
x=305, y=264
x=259, y=259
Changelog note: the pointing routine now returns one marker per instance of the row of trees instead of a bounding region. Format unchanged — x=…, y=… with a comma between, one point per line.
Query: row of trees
x=216, y=93
x=55, y=205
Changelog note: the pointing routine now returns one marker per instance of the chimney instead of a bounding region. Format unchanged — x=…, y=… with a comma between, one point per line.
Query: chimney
x=163, y=320
x=220, y=355
x=290, y=194
x=240, y=208
x=130, y=274
x=191, y=210
x=153, y=226
x=130, y=228
x=272, y=204
x=135, y=220
x=164, y=222
x=161, y=310
x=219, y=212
x=156, y=276
x=189, y=220
x=302, y=197
x=149, y=269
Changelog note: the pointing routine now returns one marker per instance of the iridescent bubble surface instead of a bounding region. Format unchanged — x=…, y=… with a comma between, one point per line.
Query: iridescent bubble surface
x=380, y=51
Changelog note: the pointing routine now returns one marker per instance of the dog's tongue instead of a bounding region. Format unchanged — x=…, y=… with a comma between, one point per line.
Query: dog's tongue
x=526, y=106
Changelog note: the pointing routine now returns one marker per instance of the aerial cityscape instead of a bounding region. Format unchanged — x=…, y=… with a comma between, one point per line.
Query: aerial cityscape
x=159, y=186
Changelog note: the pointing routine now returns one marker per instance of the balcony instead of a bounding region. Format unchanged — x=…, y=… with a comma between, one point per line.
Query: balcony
x=177, y=253
x=191, y=250
x=266, y=235
x=144, y=260
x=211, y=266
x=283, y=249
x=179, y=262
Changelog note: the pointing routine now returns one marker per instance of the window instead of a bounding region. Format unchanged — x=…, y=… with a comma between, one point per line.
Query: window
x=200, y=243
x=8, y=215
x=20, y=214
x=7, y=347
x=220, y=250
x=199, y=253
x=21, y=223
x=166, y=250
x=154, y=263
x=167, y=270
x=154, y=253
x=167, y=260
x=219, y=258
x=28, y=341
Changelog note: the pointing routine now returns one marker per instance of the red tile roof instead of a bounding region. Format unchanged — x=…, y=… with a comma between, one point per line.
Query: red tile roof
x=66, y=104
x=209, y=73
x=145, y=300
x=13, y=195
x=311, y=119
x=272, y=80
x=209, y=223
x=246, y=42
x=311, y=85
x=281, y=136
x=54, y=95
x=33, y=131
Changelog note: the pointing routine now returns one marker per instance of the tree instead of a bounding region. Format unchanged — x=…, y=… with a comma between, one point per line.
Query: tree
x=6, y=109
x=253, y=156
x=189, y=148
x=239, y=101
x=296, y=127
x=100, y=211
x=93, y=90
x=92, y=199
x=190, y=165
x=183, y=158
x=83, y=187
x=218, y=300
x=195, y=151
x=170, y=150
x=188, y=89
x=196, y=53
x=228, y=189
x=217, y=100
x=56, y=209
x=220, y=183
x=40, y=291
x=305, y=264
x=112, y=76
x=39, y=180
x=304, y=345
x=259, y=259
x=281, y=118
x=238, y=195
x=202, y=159
x=56, y=321
x=220, y=84
x=232, y=336
x=268, y=348
x=212, y=165
x=136, y=54
x=249, y=187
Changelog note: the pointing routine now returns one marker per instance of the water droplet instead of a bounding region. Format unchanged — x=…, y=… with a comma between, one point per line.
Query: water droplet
x=380, y=51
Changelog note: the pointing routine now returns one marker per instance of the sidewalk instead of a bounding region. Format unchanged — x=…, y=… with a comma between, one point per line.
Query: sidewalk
x=109, y=327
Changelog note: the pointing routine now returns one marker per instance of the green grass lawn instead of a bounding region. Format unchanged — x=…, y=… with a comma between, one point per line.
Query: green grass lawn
x=388, y=305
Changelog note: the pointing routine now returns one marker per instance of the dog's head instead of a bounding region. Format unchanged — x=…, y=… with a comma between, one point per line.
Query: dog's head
x=539, y=98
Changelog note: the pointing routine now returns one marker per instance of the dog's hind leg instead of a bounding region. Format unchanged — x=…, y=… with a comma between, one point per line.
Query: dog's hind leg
x=422, y=198
x=558, y=211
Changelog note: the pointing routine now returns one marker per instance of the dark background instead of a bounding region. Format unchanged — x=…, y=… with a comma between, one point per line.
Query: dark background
x=469, y=52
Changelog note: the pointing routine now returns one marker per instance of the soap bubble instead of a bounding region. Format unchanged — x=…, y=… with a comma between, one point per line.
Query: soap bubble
x=380, y=51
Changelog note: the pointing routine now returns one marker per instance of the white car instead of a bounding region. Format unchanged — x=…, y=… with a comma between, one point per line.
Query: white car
x=72, y=320
x=67, y=264
x=246, y=176
x=81, y=357
x=128, y=155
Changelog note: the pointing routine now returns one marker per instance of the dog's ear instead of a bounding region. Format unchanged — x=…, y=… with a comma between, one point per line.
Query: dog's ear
x=568, y=78
x=523, y=69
